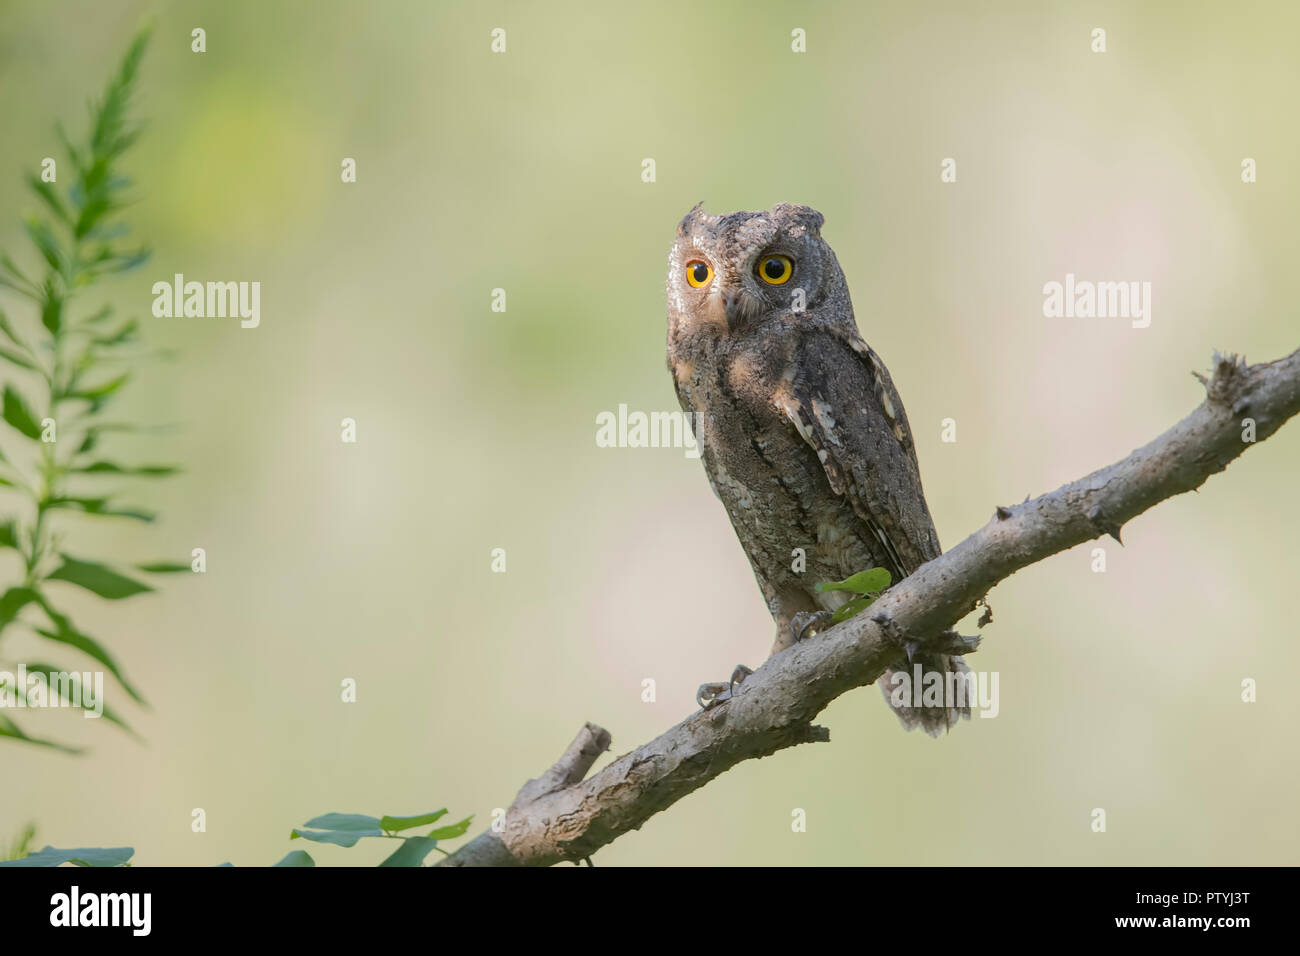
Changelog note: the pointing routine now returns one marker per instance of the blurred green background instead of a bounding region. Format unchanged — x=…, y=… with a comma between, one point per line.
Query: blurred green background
x=476, y=429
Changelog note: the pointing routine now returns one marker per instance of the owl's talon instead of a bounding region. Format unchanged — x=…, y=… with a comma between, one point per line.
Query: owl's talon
x=806, y=621
x=715, y=692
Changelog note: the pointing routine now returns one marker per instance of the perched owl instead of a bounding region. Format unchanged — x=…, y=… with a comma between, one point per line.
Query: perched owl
x=802, y=433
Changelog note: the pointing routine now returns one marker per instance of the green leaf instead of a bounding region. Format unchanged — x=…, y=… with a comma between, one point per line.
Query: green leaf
x=66, y=633
x=133, y=513
x=11, y=730
x=85, y=856
x=98, y=506
x=872, y=581
x=398, y=824
x=19, y=847
x=108, y=713
x=112, y=261
x=19, y=414
x=7, y=328
x=8, y=535
x=853, y=607
x=125, y=427
x=296, y=858
x=343, y=821
x=341, y=829
x=100, y=316
x=17, y=281
x=89, y=505
x=70, y=147
x=164, y=567
x=113, y=468
x=103, y=390
x=115, y=231
x=99, y=578
x=412, y=852
x=92, y=212
x=13, y=601
x=45, y=242
x=330, y=836
x=52, y=310
x=124, y=334
x=452, y=831
x=17, y=358
x=50, y=196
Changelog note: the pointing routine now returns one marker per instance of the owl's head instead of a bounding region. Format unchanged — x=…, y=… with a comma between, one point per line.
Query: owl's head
x=726, y=272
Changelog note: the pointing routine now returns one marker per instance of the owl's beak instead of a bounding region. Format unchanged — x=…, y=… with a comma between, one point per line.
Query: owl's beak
x=734, y=307
x=730, y=305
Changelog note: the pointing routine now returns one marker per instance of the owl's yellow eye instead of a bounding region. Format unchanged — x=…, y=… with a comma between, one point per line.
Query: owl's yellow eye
x=775, y=270
x=698, y=273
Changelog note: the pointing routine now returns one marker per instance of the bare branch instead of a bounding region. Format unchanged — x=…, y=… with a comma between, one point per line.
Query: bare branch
x=562, y=817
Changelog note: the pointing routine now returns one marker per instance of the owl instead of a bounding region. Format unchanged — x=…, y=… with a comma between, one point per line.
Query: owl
x=802, y=433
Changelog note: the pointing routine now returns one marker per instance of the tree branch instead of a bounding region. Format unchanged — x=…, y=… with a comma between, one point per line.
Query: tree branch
x=560, y=816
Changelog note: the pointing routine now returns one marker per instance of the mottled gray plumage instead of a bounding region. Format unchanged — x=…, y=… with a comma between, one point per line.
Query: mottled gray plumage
x=803, y=435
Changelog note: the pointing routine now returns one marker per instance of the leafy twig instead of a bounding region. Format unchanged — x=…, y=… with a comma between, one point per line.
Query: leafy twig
x=78, y=240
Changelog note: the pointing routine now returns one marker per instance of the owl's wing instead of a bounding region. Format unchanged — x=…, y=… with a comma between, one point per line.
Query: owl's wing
x=843, y=403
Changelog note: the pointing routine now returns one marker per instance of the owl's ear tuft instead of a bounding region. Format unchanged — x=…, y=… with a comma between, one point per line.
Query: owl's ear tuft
x=697, y=212
x=805, y=216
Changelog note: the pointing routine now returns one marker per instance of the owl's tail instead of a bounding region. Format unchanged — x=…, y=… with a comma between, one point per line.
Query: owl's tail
x=933, y=694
